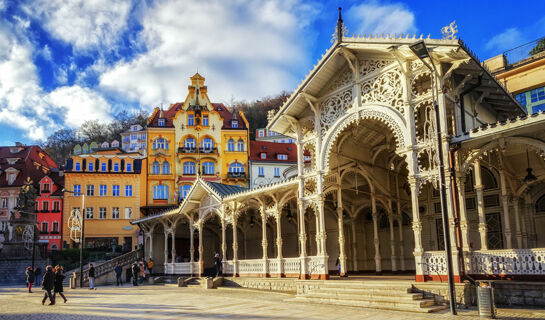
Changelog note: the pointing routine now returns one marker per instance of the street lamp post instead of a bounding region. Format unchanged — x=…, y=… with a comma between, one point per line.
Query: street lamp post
x=421, y=51
x=81, y=233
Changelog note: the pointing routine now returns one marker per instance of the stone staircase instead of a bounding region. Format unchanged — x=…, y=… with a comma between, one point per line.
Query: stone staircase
x=194, y=282
x=12, y=271
x=368, y=294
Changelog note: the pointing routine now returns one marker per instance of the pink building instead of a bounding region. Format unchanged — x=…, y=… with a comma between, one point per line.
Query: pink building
x=49, y=209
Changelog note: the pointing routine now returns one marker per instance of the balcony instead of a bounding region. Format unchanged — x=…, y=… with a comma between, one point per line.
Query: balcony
x=45, y=191
x=236, y=175
x=187, y=150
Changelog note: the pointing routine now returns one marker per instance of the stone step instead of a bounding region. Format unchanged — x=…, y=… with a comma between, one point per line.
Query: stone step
x=363, y=285
x=367, y=295
x=399, y=306
x=408, y=300
x=374, y=290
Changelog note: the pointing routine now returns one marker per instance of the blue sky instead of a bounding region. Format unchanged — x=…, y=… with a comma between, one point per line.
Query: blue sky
x=66, y=61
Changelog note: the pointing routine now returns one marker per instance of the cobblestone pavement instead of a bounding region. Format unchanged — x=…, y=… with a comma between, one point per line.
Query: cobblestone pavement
x=170, y=302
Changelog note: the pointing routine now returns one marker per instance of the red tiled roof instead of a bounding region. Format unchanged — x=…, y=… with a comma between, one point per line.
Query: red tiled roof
x=272, y=149
x=28, y=157
x=167, y=114
x=228, y=116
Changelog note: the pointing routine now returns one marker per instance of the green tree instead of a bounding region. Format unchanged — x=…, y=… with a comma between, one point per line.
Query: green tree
x=540, y=46
x=256, y=111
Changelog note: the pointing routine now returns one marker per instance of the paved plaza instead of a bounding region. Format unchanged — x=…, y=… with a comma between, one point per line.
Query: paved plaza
x=171, y=302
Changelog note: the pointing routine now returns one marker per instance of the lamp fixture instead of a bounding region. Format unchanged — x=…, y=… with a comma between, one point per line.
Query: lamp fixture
x=529, y=176
x=419, y=49
x=252, y=222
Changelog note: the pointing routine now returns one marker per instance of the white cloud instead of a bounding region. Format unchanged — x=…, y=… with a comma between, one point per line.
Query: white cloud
x=246, y=49
x=84, y=24
x=79, y=104
x=371, y=17
x=509, y=38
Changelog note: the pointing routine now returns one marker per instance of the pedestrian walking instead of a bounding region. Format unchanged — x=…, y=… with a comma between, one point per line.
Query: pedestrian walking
x=37, y=274
x=118, y=271
x=91, y=277
x=338, y=265
x=30, y=278
x=48, y=284
x=150, y=266
x=135, y=271
x=217, y=264
x=59, y=278
x=142, y=272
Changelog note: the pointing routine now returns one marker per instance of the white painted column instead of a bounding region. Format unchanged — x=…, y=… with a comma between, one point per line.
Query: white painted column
x=483, y=229
x=201, y=261
x=401, y=241
x=378, y=259
x=342, y=252
x=392, y=242
x=505, y=208
x=354, y=246
x=166, y=248
x=173, y=242
x=518, y=232
x=191, y=245
x=417, y=230
x=530, y=216
x=302, y=239
x=464, y=226
x=264, y=241
x=223, y=244
x=235, y=245
x=279, y=255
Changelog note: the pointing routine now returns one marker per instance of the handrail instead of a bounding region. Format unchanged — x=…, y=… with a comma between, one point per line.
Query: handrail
x=109, y=265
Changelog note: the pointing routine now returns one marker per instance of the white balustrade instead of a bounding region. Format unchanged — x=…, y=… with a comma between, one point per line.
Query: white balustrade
x=292, y=265
x=273, y=266
x=229, y=267
x=434, y=263
x=254, y=266
x=508, y=262
x=316, y=265
x=178, y=268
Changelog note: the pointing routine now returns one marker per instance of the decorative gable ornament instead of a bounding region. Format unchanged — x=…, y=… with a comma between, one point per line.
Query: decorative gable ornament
x=449, y=32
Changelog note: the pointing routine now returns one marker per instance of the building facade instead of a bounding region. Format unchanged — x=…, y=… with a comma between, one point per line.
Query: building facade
x=17, y=163
x=49, y=209
x=109, y=186
x=262, y=134
x=369, y=196
x=134, y=139
x=271, y=162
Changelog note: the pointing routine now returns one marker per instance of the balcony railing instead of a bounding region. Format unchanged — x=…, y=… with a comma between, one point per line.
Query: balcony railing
x=194, y=150
x=525, y=51
x=236, y=175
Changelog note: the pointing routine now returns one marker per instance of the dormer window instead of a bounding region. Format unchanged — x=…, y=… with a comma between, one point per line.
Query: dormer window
x=12, y=160
x=77, y=166
x=234, y=124
x=190, y=120
x=161, y=122
x=282, y=156
x=11, y=178
x=263, y=155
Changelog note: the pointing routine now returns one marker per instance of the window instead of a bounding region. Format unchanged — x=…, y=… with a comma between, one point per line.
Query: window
x=103, y=190
x=290, y=140
x=189, y=167
x=115, y=213
x=260, y=171
x=56, y=206
x=236, y=168
x=207, y=144
x=116, y=167
x=55, y=228
x=231, y=145
x=115, y=190
x=537, y=94
x=102, y=213
x=260, y=133
x=78, y=166
x=11, y=178
x=166, y=167
x=282, y=157
x=161, y=122
x=45, y=206
x=128, y=191
x=521, y=98
x=103, y=167
x=155, y=168
x=45, y=227
x=142, y=137
x=128, y=166
x=234, y=124
x=4, y=202
x=89, y=213
x=189, y=143
x=190, y=120
x=133, y=146
x=90, y=166
x=184, y=191
x=277, y=172
x=45, y=188
x=240, y=144
x=90, y=190
x=160, y=192
x=208, y=168
x=128, y=213
x=263, y=155
x=77, y=190
x=133, y=137
x=205, y=121
x=160, y=144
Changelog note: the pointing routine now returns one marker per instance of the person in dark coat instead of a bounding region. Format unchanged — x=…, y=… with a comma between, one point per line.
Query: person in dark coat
x=30, y=278
x=37, y=274
x=91, y=277
x=135, y=272
x=217, y=264
x=59, y=278
x=48, y=284
x=118, y=271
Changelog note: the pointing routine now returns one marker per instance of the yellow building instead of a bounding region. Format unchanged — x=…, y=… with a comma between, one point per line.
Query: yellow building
x=196, y=137
x=114, y=187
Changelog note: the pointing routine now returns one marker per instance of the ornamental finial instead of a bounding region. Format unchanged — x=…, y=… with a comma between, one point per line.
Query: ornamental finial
x=449, y=32
x=340, y=30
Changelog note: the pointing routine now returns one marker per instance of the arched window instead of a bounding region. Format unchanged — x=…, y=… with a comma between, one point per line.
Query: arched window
x=231, y=145
x=189, y=167
x=160, y=192
x=166, y=167
x=236, y=168
x=155, y=168
x=189, y=143
x=44, y=227
x=160, y=144
x=207, y=144
x=184, y=191
x=540, y=205
x=489, y=181
x=208, y=168
x=240, y=144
